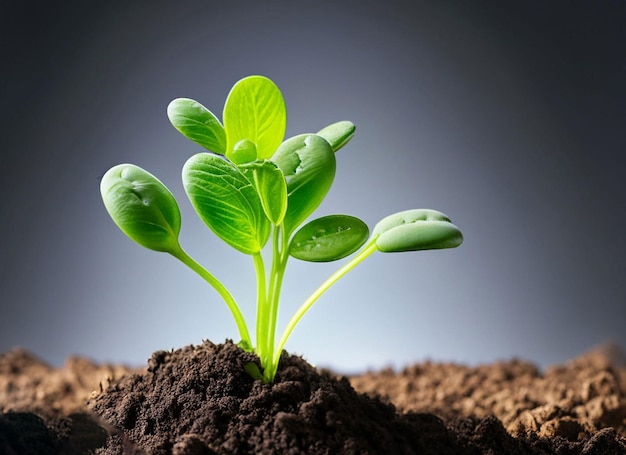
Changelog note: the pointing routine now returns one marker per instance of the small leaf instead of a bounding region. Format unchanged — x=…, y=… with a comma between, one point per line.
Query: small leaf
x=269, y=182
x=226, y=201
x=246, y=345
x=329, y=238
x=142, y=207
x=308, y=163
x=338, y=134
x=419, y=229
x=253, y=371
x=255, y=110
x=197, y=123
x=244, y=151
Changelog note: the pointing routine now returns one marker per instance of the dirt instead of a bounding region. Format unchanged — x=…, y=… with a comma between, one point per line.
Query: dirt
x=199, y=400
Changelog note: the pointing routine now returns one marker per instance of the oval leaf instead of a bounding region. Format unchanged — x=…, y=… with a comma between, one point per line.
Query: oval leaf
x=419, y=229
x=308, y=164
x=226, y=201
x=255, y=110
x=244, y=151
x=329, y=238
x=269, y=182
x=142, y=207
x=197, y=123
x=338, y=134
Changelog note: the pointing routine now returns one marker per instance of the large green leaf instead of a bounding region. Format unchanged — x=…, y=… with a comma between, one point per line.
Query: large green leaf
x=270, y=183
x=329, y=238
x=418, y=229
x=226, y=201
x=197, y=123
x=142, y=207
x=308, y=163
x=255, y=110
x=338, y=134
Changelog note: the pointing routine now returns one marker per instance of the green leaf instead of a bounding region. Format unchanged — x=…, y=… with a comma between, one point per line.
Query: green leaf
x=270, y=183
x=329, y=238
x=244, y=151
x=226, y=201
x=308, y=163
x=253, y=371
x=197, y=123
x=142, y=207
x=419, y=229
x=338, y=134
x=255, y=110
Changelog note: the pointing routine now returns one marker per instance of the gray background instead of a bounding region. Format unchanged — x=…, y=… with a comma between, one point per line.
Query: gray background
x=507, y=116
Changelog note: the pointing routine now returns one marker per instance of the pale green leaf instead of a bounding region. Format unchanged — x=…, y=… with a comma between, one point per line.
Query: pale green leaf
x=255, y=110
x=418, y=229
x=142, y=207
x=226, y=201
x=197, y=123
x=244, y=151
x=308, y=163
x=338, y=134
x=270, y=183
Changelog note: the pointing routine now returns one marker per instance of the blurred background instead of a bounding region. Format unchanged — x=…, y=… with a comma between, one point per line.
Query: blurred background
x=507, y=116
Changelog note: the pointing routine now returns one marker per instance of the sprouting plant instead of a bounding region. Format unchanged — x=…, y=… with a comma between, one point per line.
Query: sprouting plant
x=252, y=186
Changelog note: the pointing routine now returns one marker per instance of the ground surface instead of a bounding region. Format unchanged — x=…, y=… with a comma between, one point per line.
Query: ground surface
x=197, y=401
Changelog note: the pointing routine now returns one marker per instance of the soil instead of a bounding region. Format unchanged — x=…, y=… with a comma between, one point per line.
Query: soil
x=199, y=400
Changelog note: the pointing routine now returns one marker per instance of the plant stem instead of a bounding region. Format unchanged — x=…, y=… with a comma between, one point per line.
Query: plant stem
x=363, y=254
x=262, y=315
x=279, y=262
x=222, y=291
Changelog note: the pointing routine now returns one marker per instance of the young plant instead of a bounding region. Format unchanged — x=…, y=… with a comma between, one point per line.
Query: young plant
x=255, y=190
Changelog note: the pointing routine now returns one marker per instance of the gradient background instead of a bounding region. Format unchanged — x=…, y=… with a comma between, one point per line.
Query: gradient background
x=507, y=116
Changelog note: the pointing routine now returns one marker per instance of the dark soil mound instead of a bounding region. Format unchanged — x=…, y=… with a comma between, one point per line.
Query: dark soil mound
x=199, y=400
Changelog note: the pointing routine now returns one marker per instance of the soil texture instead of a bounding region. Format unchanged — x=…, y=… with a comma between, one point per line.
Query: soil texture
x=573, y=401
x=199, y=400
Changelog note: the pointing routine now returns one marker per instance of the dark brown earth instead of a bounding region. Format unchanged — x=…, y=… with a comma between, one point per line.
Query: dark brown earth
x=199, y=400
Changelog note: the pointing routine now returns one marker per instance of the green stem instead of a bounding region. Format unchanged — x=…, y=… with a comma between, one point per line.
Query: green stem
x=279, y=262
x=363, y=254
x=262, y=315
x=222, y=291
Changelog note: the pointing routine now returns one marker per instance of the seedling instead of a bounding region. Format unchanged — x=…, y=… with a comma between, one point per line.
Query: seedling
x=251, y=186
